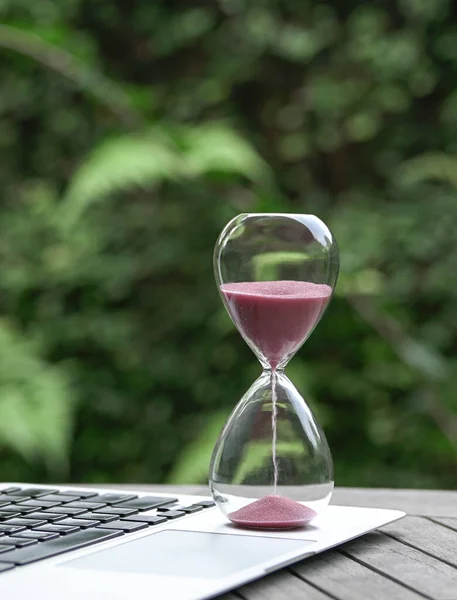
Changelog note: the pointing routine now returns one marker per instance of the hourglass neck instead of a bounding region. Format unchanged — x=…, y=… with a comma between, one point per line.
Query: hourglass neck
x=278, y=370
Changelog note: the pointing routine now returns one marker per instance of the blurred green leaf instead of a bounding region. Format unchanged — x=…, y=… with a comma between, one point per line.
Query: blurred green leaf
x=192, y=465
x=258, y=457
x=365, y=281
x=266, y=265
x=119, y=164
x=431, y=166
x=36, y=404
x=418, y=355
x=33, y=43
x=130, y=161
x=215, y=147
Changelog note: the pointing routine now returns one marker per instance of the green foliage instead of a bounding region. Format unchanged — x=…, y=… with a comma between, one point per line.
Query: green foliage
x=119, y=165
x=266, y=264
x=130, y=135
x=36, y=403
x=151, y=158
x=429, y=167
x=193, y=464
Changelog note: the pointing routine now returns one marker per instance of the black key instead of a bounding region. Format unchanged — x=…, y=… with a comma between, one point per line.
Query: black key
x=57, y=498
x=7, y=515
x=149, y=519
x=125, y=526
x=146, y=503
x=34, y=492
x=4, y=548
x=49, y=517
x=9, y=490
x=98, y=517
x=22, y=494
x=18, y=542
x=6, y=566
x=15, y=508
x=190, y=510
x=59, y=546
x=37, y=535
x=56, y=528
x=117, y=511
x=38, y=504
x=86, y=505
x=65, y=511
x=24, y=522
x=83, y=523
x=8, y=498
x=205, y=503
x=10, y=528
x=187, y=509
x=173, y=514
x=113, y=498
x=79, y=494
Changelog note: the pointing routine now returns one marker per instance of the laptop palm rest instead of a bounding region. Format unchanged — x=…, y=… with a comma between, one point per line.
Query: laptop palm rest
x=190, y=554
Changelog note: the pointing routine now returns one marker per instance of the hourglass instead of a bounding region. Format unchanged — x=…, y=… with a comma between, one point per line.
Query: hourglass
x=271, y=467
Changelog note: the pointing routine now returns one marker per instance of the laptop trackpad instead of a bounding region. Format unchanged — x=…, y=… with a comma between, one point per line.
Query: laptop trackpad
x=190, y=554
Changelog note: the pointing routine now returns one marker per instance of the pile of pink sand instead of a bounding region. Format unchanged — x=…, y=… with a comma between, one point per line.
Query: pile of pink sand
x=273, y=512
x=276, y=316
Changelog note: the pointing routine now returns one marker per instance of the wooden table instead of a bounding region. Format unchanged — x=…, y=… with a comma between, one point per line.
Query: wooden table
x=410, y=559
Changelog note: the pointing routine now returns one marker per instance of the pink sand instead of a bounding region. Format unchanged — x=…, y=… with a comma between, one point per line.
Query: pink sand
x=273, y=512
x=276, y=316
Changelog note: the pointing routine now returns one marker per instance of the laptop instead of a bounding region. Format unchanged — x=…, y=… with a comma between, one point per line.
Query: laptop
x=75, y=543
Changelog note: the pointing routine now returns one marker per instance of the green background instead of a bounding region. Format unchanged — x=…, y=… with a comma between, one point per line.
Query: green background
x=130, y=133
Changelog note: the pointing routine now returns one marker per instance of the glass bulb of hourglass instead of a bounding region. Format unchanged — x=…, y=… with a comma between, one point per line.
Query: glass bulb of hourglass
x=271, y=466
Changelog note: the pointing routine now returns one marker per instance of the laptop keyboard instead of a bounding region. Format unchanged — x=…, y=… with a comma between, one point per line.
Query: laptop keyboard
x=38, y=523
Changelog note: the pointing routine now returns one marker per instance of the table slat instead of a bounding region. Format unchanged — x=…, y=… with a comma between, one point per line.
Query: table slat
x=447, y=522
x=408, y=566
x=345, y=579
x=427, y=536
x=281, y=586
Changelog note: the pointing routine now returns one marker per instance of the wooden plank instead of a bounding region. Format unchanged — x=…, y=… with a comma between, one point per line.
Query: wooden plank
x=408, y=566
x=427, y=536
x=281, y=586
x=447, y=522
x=427, y=503
x=346, y=579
